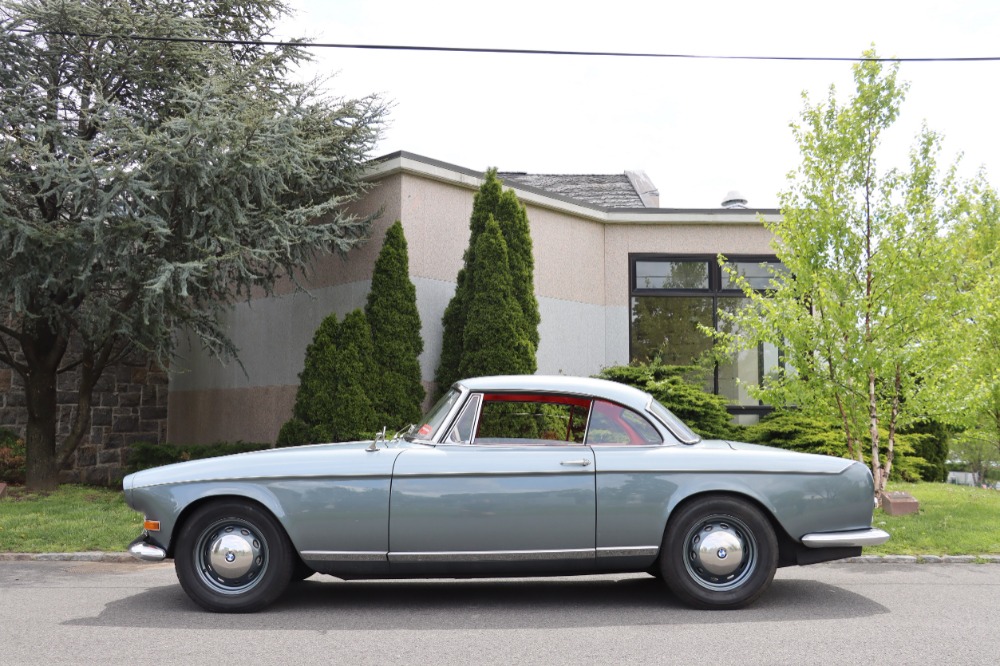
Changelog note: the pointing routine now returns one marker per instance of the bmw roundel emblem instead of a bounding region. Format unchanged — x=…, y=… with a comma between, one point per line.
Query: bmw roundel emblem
x=722, y=554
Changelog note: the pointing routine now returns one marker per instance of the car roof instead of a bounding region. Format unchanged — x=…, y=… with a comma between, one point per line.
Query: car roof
x=588, y=386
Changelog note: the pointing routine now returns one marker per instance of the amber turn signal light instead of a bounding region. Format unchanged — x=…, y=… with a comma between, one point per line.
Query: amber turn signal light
x=151, y=525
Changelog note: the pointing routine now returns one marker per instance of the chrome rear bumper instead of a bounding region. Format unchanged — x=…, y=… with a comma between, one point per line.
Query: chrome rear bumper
x=853, y=539
x=141, y=549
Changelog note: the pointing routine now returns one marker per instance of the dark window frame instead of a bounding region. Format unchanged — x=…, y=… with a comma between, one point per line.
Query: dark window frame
x=714, y=291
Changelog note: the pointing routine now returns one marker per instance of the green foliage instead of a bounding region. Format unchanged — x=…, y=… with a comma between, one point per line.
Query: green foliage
x=867, y=251
x=932, y=447
x=678, y=388
x=977, y=452
x=796, y=430
x=392, y=314
x=11, y=457
x=494, y=342
x=144, y=455
x=333, y=402
x=145, y=186
x=508, y=213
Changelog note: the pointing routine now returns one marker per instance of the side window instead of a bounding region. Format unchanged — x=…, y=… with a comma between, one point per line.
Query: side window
x=614, y=424
x=517, y=420
x=461, y=433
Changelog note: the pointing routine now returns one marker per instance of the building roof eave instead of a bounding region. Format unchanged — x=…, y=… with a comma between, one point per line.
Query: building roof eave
x=406, y=162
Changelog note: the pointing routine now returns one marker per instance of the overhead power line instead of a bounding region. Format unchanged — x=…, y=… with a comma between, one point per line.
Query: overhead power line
x=470, y=49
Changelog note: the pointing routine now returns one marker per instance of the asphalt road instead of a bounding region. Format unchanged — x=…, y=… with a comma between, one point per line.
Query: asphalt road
x=97, y=613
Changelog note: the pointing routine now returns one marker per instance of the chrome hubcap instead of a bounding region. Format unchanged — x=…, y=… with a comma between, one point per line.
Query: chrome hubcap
x=720, y=553
x=718, y=549
x=231, y=556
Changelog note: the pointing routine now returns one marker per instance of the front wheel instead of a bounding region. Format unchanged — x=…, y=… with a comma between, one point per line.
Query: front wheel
x=233, y=557
x=719, y=553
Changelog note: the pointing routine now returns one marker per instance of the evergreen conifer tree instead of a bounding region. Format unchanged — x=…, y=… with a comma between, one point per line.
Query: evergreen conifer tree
x=395, y=325
x=508, y=213
x=494, y=340
x=333, y=403
x=513, y=221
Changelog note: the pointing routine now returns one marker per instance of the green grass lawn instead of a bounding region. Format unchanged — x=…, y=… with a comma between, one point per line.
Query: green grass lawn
x=953, y=520
x=71, y=519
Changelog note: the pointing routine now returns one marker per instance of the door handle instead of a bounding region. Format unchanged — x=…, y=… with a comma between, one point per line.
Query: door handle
x=576, y=463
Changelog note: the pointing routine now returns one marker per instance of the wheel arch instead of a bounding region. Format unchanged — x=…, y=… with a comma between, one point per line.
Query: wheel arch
x=787, y=546
x=191, y=507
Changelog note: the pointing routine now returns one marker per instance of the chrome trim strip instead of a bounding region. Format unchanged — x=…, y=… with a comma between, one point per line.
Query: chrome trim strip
x=344, y=555
x=629, y=551
x=472, y=475
x=493, y=555
x=869, y=537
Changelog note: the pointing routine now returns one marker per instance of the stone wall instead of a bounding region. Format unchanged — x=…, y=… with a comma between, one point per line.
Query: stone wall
x=129, y=406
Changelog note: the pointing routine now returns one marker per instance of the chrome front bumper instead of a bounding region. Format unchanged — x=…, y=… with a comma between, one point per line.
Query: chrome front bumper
x=141, y=549
x=853, y=539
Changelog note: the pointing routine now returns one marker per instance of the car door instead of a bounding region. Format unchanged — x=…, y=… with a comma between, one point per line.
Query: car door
x=511, y=489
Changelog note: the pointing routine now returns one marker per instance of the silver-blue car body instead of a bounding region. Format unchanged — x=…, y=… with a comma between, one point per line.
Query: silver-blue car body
x=507, y=476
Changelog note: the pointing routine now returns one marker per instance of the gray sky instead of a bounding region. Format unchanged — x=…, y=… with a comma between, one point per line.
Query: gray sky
x=698, y=128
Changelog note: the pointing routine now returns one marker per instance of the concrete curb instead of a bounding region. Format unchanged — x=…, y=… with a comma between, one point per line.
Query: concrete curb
x=98, y=556
x=87, y=556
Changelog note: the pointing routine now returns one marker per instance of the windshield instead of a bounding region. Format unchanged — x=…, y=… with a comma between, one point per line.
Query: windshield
x=434, y=418
x=676, y=426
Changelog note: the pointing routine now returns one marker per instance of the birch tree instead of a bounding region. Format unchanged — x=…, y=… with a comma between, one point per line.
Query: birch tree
x=869, y=282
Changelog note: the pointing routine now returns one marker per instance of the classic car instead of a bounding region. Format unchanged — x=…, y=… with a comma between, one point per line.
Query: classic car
x=507, y=476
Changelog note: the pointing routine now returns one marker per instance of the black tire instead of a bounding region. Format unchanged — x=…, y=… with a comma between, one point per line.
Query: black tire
x=702, y=541
x=233, y=557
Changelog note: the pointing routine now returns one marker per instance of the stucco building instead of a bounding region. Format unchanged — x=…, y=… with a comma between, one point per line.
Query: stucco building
x=616, y=277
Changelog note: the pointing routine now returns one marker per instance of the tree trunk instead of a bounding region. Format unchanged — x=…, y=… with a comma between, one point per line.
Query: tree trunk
x=877, y=474
x=43, y=350
x=890, y=452
x=41, y=472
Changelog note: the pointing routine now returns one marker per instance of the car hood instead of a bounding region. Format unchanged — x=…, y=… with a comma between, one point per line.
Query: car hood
x=321, y=459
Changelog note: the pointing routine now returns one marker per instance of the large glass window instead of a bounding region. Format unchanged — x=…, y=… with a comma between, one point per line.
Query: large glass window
x=672, y=297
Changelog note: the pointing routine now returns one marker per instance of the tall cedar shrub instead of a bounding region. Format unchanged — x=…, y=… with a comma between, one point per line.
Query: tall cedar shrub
x=392, y=314
x=494, y=342
x=509, y=214
x=333, y=403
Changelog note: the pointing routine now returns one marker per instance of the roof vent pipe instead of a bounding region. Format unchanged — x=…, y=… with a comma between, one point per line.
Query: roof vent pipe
x=734, y=200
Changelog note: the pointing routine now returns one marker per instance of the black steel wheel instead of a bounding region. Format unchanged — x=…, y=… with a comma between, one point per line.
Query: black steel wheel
x=719, y=553
x=233, y=557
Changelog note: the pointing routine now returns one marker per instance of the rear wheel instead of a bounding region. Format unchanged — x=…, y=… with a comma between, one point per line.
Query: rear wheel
x=233, y=557
x=719, y=553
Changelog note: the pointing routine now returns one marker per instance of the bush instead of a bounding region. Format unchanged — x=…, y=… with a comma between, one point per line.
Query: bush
x=333, y=402
x=932, y=447
x=12, y=457
x=144, y=456
x=796, y=431
x=495, y=341
x=492, y=205
x=678, y=388
x=391, y=311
